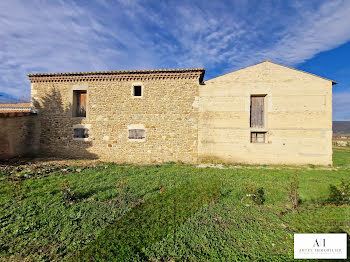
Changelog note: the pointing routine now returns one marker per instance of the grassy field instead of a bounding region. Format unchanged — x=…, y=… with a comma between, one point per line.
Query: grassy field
x=164, y=212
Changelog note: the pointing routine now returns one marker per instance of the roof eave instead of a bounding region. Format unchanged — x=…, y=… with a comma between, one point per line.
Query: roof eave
x=186, y=70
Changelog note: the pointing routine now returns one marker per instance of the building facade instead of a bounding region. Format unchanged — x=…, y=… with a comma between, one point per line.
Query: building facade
x=265, y=113
x=124, y=116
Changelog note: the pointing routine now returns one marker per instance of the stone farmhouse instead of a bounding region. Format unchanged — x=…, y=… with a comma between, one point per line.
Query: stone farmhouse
x=266, y=114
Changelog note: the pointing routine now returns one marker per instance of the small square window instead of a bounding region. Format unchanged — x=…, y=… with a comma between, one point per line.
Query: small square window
x=257, y=137
x=136, y=133
x=137, y=90
x=81, y=133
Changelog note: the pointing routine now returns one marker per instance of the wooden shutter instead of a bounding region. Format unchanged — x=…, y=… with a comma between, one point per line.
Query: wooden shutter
x=81, y=103
x=81, y=133
x=136, y=133
x=257, y=111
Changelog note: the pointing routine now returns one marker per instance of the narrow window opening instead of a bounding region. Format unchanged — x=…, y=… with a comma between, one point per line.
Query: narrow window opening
x=136, y=133
x=257, y=115
x=257, y=137
x=79, y=103
x=137, y=91
x=81, y=132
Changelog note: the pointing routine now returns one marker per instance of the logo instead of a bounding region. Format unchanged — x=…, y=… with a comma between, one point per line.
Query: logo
x=320, y=246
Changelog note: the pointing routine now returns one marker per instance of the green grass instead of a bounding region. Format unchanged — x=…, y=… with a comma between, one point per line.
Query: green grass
x=341, y=157
x=165, y=212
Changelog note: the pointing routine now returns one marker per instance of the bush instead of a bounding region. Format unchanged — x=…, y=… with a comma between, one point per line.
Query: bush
x=293, y=195
x=255, y=194
x=17, y=190
x=123, y=190
x=68, y=195
x=339, y=194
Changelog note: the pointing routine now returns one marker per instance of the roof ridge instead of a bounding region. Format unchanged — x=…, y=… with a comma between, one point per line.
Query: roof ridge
x=292, y=68
x=177, y=70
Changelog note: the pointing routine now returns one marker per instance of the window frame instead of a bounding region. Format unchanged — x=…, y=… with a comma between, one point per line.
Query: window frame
x=81, y=87
x=264, y=96
x=256, y=141
x=264, y=128
x=136, y=130
x=88, y=127
x=133, y=89
x=136, y=126
x=76, y=99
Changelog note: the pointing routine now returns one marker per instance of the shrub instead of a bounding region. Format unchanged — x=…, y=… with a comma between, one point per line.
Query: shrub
x=255, y=194
x=339, y=194
x=123, y=189
x=68, y=195
x=17, y=190
x=293, y=195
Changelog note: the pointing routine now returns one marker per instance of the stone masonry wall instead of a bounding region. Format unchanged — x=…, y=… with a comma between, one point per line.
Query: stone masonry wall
x=168, y=110
x=19, y=136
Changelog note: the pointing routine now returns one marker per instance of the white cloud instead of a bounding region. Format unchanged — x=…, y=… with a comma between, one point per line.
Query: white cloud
x=57, y=36
x=312, y=32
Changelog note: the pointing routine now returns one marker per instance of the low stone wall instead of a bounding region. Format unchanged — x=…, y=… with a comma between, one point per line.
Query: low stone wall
x=19, y=136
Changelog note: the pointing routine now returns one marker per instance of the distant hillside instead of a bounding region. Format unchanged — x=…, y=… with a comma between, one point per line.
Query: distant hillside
x=341, y=128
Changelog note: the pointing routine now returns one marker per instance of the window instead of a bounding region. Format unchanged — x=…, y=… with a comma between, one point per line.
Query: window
x=80, y=133
x=79, y=103
x=136, y=133
x=257, y=116
x=137, y=90
x=257, y=137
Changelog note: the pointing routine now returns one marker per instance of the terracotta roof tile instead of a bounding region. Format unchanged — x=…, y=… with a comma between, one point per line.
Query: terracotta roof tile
x=15, y=105
x=152, y=71
x=15, y=108
x=119, y=75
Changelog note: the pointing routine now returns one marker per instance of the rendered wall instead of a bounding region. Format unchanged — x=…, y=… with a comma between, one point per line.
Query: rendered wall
x=298, y=114
x=19, y=136
x=168, y=110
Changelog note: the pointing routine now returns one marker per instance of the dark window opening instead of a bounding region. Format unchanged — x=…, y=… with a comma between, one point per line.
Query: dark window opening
x=79, y=103
x=257, y=137
x=257, y=111
x=81, y=133
x=136, y=133
x=137, y=91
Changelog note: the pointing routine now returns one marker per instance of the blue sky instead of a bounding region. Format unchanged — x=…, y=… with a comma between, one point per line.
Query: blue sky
x=221, y=36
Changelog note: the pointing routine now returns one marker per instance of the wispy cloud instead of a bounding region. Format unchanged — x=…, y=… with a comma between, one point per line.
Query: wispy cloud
x=314, y=30
x=56, y=36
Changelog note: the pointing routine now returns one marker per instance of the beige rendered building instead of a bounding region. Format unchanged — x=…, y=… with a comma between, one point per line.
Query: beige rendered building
x=266, y=113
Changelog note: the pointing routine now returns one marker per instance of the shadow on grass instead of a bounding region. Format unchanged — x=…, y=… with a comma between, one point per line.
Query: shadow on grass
x=150, y=222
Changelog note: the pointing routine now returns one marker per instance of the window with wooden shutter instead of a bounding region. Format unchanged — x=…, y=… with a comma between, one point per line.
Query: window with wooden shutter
x=80, y=133
x=136, y=133
x=257, y=114
x=79, y=103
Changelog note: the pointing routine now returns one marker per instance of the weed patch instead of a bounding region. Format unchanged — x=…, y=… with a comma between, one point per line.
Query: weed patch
x=150, y=221
x=255, y=194
x=339, y=194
